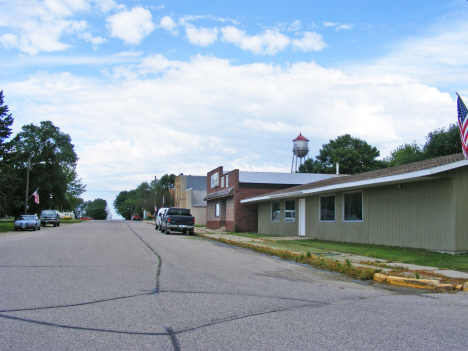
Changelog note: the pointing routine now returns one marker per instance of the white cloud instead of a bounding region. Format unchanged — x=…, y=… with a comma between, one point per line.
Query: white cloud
x=131, y=26
x=186, y=113
x=168, y=24
x=345, y=27
x=329, y=24
x=439, y=57
x=201, y=36
x=38, y=26
x=311, y=41
x=270, y=42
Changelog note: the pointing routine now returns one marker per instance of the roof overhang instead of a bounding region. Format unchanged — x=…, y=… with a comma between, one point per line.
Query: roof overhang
x=424, y=174
x=219, y=194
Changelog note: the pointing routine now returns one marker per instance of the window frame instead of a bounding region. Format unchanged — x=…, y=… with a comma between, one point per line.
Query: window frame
x=290, y=219
x=272, y=212
x=334, y=207
x=362, y=206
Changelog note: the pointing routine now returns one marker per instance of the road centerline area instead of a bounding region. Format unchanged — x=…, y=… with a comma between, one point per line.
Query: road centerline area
x=106, y=292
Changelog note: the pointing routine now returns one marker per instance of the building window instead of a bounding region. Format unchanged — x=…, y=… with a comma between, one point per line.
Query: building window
x=227, y=180
x=290, y=211
x=222, y=182
x=353, y=206
x=217, y=209
x=327, y=208
x=275, y=212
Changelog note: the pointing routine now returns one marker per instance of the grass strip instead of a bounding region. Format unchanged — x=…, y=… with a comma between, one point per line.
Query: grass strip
x=308, y=258
x=422, y=257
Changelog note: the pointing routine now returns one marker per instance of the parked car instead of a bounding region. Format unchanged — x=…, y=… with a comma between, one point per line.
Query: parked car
x=178, y=219
x=157, y=222
x=28, y=222
x=87, y=218
x=50, y=216
x=136, y=217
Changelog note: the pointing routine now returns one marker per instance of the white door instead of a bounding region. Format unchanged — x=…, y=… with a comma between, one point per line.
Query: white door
x=302, y=220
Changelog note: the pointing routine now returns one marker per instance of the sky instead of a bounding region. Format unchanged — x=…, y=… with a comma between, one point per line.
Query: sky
x=146, y=88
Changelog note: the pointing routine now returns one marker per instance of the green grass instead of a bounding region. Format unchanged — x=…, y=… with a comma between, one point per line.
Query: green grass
x=390, y=253
x=253, y=235
x=7, y=226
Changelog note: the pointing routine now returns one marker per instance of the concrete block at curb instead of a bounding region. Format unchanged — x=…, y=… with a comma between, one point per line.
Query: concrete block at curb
x=410, y=282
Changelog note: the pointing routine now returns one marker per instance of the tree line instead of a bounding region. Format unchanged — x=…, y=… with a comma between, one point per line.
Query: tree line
x=357, y=156
x=44, y=154
x=146, y=196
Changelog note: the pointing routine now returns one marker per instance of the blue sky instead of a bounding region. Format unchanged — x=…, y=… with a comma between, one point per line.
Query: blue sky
x=146, y=88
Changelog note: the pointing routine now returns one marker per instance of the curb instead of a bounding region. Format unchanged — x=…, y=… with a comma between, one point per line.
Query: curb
x=418, y=283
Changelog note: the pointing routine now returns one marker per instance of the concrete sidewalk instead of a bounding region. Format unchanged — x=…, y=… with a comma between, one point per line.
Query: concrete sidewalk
x=387, y=268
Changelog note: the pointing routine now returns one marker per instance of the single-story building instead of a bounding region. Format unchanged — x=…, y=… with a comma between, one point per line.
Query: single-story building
x=189, y=193
x=225, y=190
x=418, y=205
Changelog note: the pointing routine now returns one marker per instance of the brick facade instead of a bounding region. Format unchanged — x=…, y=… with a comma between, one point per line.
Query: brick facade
x=234, y=215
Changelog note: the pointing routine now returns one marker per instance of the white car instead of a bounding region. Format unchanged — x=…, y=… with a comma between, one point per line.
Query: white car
x=162, y=211
x=28, y=222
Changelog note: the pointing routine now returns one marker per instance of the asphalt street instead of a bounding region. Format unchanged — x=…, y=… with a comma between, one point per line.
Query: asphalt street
x=121, y=285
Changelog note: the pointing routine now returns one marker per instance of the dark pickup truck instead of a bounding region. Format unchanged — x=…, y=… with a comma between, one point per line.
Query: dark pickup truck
x=178, y=220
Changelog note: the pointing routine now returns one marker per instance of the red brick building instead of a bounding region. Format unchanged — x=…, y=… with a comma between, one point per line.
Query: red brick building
x=225, y=190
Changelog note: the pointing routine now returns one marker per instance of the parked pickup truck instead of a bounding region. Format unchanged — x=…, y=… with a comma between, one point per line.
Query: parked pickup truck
x=178, y=220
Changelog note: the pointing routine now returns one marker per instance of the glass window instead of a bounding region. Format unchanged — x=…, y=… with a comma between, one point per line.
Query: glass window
x=227, y=180
x=353, y=207
x=217, y=206
x=290, y=211
x=222, y=182
x=327, y=208
x=275, y=211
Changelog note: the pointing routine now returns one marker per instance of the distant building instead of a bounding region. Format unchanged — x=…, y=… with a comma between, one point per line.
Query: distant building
x=189, y=193
x=225, y=190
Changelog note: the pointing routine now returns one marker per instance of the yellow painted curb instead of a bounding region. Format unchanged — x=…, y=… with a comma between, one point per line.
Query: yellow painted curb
x=410, y=282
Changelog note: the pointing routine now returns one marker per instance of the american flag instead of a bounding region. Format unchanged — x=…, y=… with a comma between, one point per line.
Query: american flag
x=36, y=197
x=463, y=124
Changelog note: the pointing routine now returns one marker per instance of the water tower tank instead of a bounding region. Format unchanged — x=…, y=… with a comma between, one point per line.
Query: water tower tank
x=301, y=146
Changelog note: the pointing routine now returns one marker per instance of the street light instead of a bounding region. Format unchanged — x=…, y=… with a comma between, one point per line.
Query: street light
x=29, y=165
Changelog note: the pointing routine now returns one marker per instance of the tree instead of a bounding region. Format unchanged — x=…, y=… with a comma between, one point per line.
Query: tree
x=96, y=209
x=443, y=142
x=57, y=180
x=9, y=180
x=439, y=142
x=146, y=196
x=404, y=154
x=354, y=155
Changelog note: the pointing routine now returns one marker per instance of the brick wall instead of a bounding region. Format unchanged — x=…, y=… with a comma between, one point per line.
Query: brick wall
x=246, y=215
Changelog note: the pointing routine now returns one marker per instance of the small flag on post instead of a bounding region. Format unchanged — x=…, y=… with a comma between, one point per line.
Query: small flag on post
x=463, y=124
x=36, y=196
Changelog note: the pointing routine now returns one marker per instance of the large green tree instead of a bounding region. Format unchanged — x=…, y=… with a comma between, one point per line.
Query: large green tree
x=353, y=154
x=9, y=181
x=146, y=196
x=96, y=209
x=440, y=142
x=57, y=180
x=404, y=154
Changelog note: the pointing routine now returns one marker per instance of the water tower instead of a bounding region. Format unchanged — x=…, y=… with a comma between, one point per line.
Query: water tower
x=300, y=151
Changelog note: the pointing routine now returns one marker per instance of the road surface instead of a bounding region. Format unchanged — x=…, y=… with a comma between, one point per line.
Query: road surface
x=121, y=285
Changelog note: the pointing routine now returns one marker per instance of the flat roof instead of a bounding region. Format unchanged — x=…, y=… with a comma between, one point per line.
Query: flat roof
x=282, y=178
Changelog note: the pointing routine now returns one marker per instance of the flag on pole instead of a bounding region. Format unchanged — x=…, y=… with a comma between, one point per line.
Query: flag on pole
x=463, y=124
x=36, y=196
